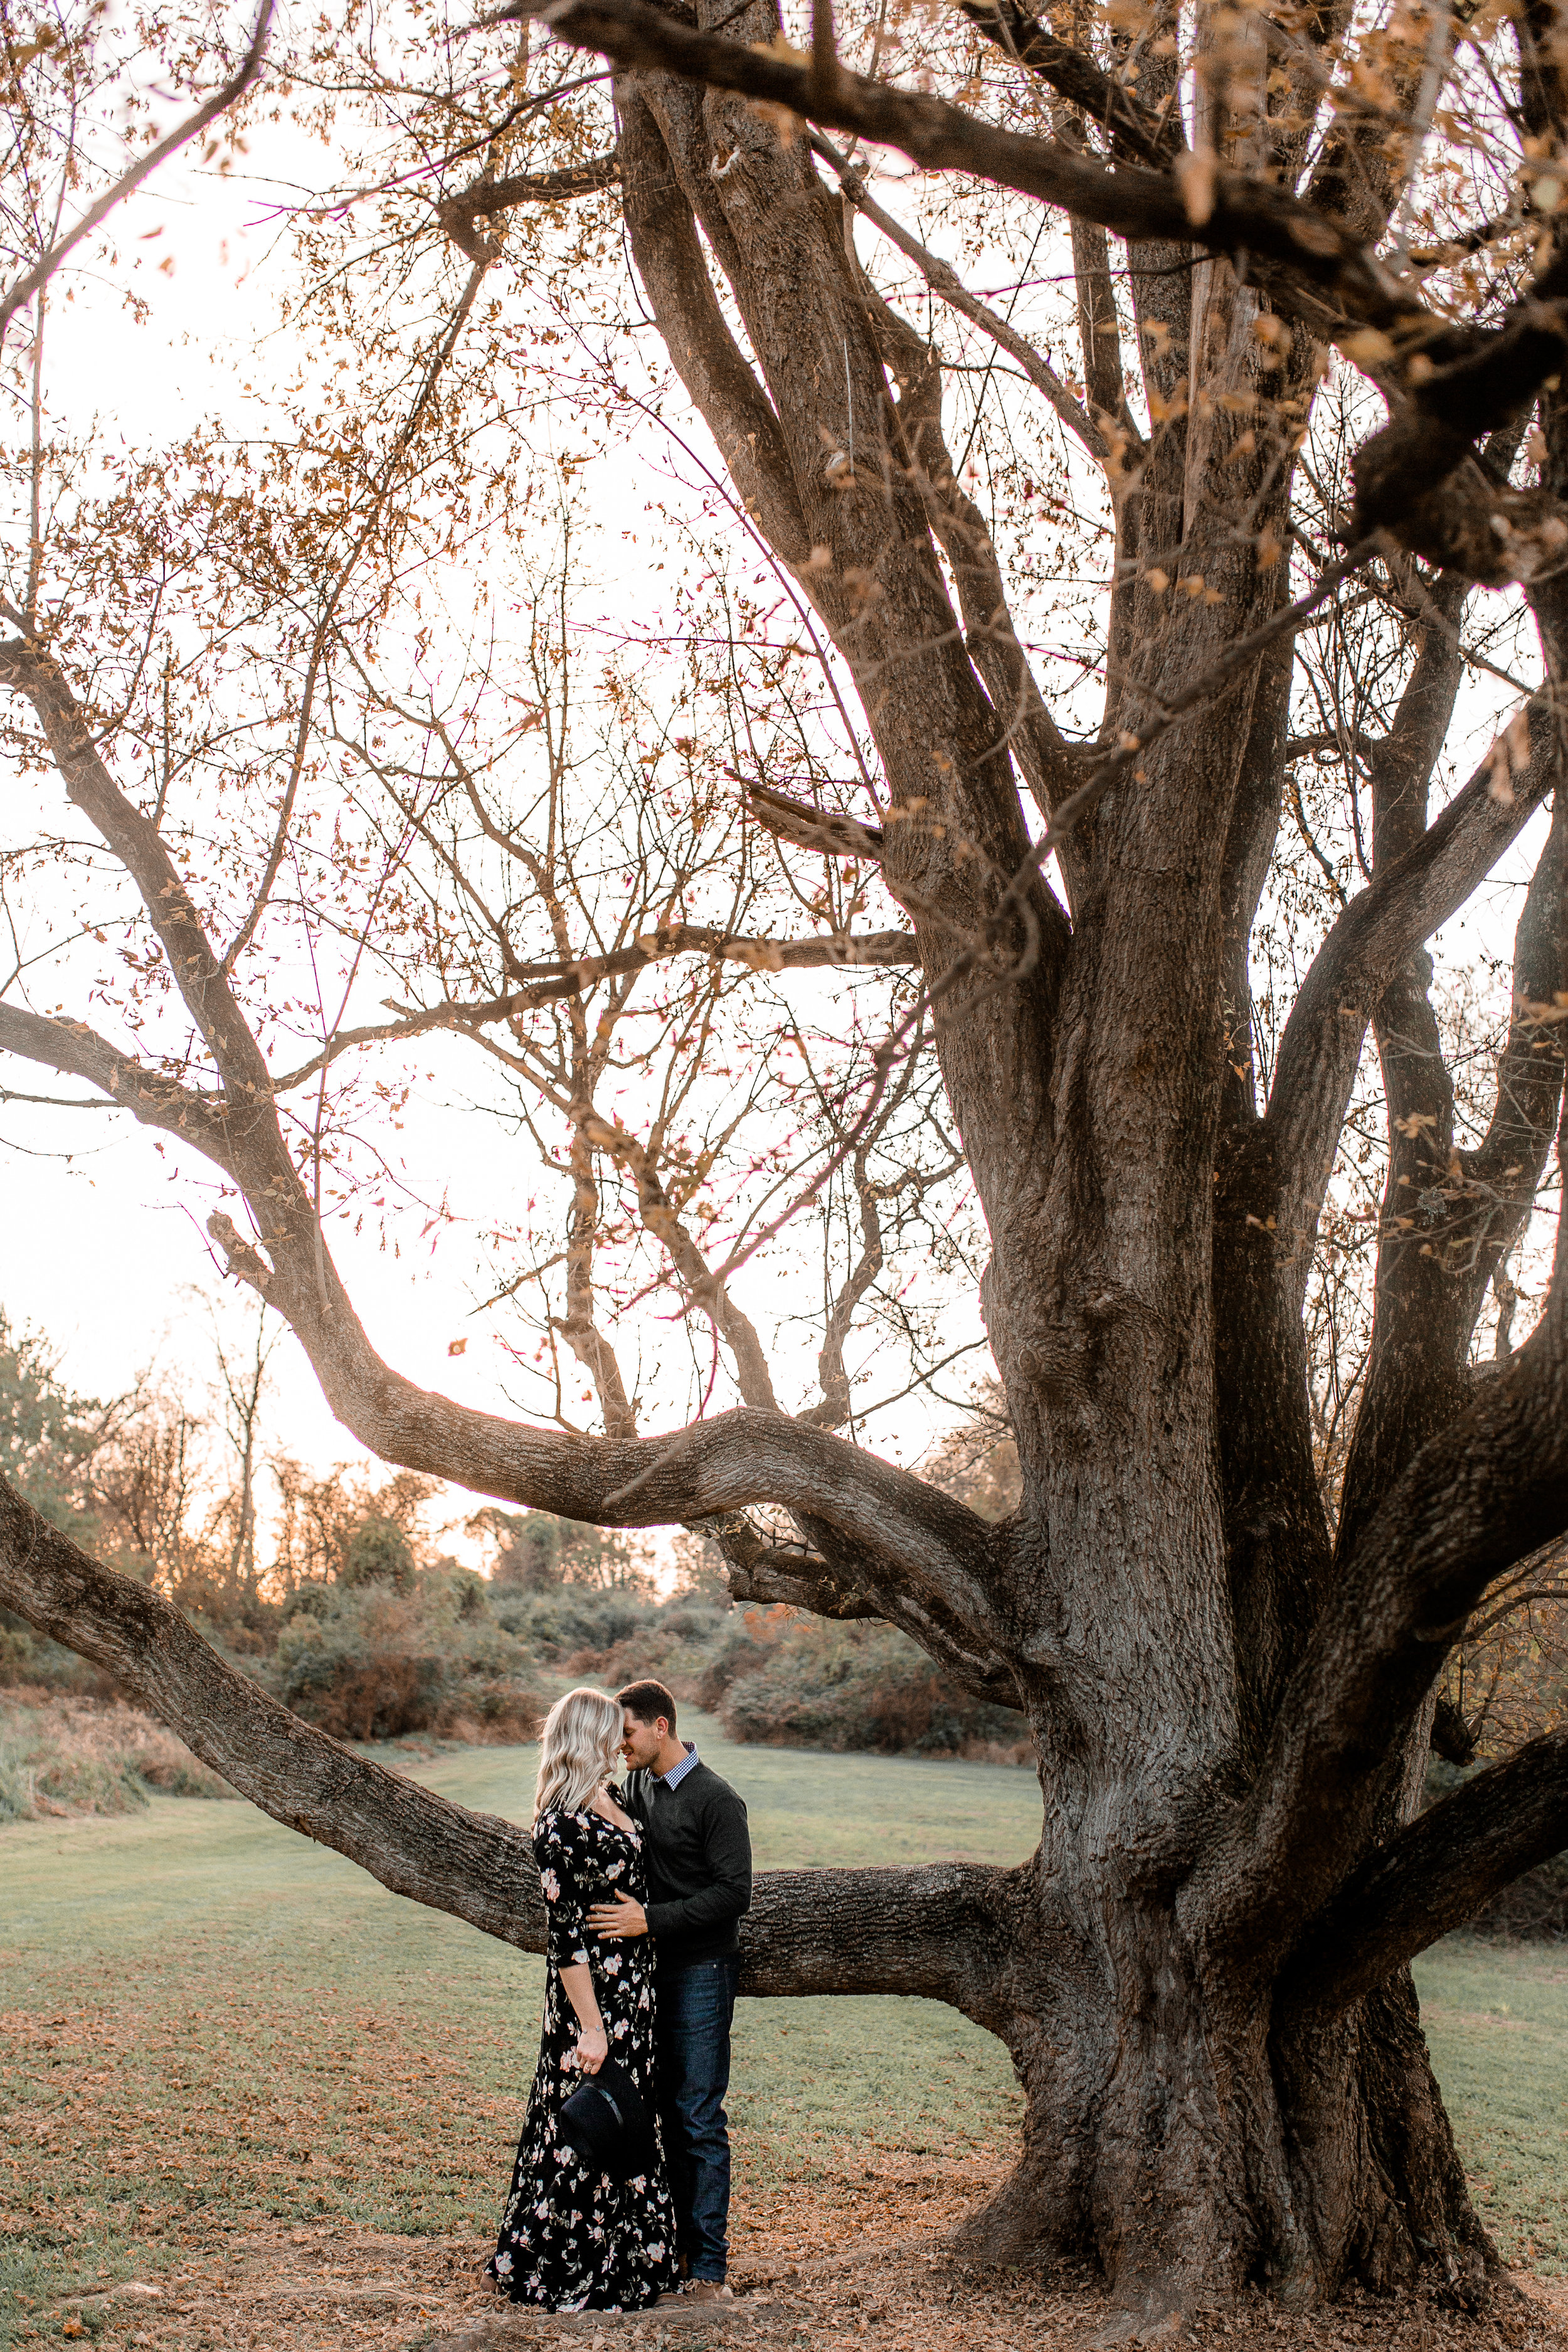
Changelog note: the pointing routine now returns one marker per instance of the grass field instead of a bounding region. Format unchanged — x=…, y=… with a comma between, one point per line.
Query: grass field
x=207, y=2022
x=1497, y=2025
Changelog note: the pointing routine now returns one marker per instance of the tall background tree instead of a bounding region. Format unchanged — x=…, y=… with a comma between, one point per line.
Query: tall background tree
x=1103, y=731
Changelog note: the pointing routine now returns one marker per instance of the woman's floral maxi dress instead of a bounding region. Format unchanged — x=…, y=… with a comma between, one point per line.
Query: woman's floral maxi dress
x=572, y=2241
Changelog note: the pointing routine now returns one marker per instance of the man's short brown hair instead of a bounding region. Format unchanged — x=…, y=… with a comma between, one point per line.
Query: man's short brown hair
x=647, y=1702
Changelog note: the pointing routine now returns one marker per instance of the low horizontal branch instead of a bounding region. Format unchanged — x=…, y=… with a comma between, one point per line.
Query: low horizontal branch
x=928, y=1929
x=473, y=1865
x=916, y=1930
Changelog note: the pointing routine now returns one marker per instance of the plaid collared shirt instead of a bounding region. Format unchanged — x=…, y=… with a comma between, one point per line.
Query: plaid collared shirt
x=677, y=1772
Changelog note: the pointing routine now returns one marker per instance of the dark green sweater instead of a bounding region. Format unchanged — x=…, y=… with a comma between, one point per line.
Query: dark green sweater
x=698, y=1852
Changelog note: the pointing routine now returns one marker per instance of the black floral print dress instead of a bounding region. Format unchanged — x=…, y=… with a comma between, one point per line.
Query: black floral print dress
x=572, y=2241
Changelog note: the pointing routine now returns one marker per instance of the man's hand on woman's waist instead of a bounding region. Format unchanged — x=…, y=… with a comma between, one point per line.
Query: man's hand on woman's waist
x=624, y=1917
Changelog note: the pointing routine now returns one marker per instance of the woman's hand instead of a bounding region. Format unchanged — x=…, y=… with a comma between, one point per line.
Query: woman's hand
x=592, y=2048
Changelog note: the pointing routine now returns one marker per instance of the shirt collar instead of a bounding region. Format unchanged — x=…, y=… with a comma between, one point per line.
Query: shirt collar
x=677, y=1772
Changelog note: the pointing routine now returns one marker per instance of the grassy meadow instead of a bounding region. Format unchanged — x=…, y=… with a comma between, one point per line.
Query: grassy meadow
x=207, y=2022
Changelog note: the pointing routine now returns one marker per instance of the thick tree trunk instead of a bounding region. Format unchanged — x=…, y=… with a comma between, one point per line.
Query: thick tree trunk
x=1187, y=2141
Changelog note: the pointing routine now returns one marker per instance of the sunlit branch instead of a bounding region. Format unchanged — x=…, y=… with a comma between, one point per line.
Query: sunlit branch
x=562, y=978
x=460, y=214
x=24, y=288
x=944, y=281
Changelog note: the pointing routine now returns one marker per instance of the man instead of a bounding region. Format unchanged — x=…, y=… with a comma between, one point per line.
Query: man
x=697, y=1853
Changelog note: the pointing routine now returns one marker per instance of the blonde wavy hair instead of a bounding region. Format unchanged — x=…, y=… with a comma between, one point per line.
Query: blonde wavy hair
x=578, y=1750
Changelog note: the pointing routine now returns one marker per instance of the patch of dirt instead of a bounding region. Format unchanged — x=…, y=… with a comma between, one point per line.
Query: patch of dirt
x=853, y=2261
x=1552, y=2294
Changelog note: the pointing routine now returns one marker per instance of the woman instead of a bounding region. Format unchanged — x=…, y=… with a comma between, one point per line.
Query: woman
x=573, y=2240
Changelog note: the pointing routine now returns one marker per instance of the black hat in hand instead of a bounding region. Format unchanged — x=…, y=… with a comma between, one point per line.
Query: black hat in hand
x=607, y=2122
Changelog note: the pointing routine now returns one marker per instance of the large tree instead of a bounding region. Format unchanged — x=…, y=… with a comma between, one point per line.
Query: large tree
x=1228, y=1672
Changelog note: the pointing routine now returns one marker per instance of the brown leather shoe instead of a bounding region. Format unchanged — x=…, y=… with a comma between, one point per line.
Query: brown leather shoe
x=709, y=2291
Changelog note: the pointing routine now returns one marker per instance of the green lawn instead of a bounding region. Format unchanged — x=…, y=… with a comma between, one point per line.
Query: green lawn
x=206, y=2019
x=1497, y=2025
x=236, y=2023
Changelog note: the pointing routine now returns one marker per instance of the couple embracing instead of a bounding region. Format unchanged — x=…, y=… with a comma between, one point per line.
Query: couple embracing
x=620, y=2194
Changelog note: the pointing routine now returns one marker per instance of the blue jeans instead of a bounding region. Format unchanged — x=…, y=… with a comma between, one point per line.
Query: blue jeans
x=696, y=2005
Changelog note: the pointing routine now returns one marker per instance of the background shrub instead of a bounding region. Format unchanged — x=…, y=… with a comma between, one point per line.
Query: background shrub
x=379, y=1659
x=84, y=1756
x=573, y=1623
x=815, y=1684
x=783, y=1680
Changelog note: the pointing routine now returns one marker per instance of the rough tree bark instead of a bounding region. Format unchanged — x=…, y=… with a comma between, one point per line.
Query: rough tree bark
x=1203, y=1973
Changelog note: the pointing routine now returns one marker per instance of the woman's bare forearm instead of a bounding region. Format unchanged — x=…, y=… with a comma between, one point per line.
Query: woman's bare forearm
x=577, y=1983
x=592, y=2042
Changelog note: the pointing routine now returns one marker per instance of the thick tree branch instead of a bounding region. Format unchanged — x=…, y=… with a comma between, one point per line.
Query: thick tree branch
x=1276, y=1542
x=829, y=1577
x=79, y=1051
x=1321, y=1045
x=1436, y=1875
x=1491, y=1487
x=1331, y=272
x=1450, y=1217
x=415, y=1842
x=1417, y=479
x=30, y=670
x=759, y=1570
x=1509, y=1157
x=809, y=1931
x=711, y=1466
x=920, y=445
x=1100, y=337
x=674, y=271
x=1134, y=129
x=1401, y=761
x=460, y=214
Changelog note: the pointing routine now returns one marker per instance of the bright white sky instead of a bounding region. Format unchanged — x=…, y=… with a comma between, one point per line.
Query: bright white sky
x=107, y=1249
